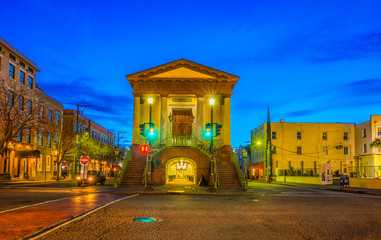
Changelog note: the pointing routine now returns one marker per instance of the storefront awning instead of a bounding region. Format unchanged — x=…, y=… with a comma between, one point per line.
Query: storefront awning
x=28, y=154
x=258, y=165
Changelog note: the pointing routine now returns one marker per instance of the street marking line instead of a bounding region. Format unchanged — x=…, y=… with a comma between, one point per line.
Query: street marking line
x=36, y=204
x=72, y=219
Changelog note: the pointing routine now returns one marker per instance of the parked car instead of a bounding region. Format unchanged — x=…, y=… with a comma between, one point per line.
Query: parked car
x=93, y=177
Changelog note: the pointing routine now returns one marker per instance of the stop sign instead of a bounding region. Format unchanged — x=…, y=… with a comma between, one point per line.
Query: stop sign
x=84, y=160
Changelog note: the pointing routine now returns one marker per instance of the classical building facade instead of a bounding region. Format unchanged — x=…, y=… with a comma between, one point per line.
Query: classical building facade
x=29, y=141
x=301, y=148
x=173, y=103
x=97, y=133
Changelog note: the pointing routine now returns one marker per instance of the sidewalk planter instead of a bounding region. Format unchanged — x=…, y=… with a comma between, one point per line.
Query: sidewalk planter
x=299, y=179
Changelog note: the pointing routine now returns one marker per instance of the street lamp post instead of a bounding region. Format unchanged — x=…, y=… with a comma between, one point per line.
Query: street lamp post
x=150, y=101
x=116, y=168
x=244, y=154
x=211, y=102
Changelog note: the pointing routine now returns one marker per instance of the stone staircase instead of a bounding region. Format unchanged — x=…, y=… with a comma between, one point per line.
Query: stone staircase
x=133, y=176
x=227, y=172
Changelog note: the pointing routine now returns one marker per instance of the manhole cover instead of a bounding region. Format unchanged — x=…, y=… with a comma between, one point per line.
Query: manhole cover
x=145, y=219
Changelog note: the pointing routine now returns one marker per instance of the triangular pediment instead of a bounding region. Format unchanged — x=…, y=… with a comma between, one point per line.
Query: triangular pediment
x=181, y=72
x=182, y=69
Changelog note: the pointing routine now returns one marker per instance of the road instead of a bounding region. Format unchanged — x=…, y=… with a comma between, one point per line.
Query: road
x=265, y=212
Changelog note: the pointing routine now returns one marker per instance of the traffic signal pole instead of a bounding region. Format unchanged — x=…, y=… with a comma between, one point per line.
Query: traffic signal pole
x=211, y=123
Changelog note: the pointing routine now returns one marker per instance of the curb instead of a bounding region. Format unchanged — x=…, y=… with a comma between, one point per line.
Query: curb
x=176, y=193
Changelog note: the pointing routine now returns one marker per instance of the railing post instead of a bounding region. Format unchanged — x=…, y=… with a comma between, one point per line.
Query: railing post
x=211, y=185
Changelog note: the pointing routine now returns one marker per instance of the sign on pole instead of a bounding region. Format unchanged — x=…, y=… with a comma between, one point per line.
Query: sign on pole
x=84, y=160
x=84, y=163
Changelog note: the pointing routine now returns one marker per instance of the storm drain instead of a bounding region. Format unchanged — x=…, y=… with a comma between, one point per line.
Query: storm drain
x=145, y=219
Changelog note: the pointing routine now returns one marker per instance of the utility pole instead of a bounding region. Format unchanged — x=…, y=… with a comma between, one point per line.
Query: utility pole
x=119, y=133
x=76, y=138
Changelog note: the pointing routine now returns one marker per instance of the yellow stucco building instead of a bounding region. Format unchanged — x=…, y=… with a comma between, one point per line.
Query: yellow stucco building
x=301, y=148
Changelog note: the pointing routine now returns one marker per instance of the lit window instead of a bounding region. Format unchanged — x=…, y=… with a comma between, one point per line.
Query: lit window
x=11, y=71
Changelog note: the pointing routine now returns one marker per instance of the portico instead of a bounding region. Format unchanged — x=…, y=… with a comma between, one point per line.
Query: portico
x=180, y=109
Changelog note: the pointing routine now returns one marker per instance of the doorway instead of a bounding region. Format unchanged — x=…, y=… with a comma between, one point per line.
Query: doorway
x=182, y=122
x=181, y=171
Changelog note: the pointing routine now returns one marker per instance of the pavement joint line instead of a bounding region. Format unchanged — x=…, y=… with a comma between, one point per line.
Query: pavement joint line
x=36, y=204
x=73, y=219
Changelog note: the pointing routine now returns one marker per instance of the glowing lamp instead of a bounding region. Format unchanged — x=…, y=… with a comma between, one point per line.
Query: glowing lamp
x=150, y=100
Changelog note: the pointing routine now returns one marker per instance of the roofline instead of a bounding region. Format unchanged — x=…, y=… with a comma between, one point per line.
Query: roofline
x=17, y=52
x=180, y=60
x=48, y=96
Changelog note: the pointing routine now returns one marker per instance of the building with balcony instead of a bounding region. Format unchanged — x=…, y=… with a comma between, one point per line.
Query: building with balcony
x=178, y=107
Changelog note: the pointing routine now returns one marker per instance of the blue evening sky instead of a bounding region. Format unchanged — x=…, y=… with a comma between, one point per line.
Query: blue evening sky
x=309, y=61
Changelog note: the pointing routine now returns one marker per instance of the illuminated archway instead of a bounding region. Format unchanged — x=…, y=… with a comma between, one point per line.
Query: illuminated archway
x=181, y=170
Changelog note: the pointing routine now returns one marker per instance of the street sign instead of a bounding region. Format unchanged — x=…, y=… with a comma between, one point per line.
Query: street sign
x=84, y=160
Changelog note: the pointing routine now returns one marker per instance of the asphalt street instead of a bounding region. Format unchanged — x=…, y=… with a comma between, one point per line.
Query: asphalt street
x=268, y=212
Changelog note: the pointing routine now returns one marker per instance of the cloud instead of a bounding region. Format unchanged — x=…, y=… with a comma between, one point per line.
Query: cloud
x=355, y=47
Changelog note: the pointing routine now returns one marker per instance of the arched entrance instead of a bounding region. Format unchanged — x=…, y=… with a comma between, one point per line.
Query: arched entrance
x=182, y=171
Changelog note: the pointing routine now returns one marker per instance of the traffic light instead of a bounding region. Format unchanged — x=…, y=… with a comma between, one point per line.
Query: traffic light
x=208, y=133
x=218, y=129
x=151, y=130
x=144, y=148
x=142, y=128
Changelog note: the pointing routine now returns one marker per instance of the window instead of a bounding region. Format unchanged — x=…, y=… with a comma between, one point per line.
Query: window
x=345, y=135
x=21, y=103
x=12, y=57
x=324, y=135
x=57, y=118
x=80, y=127
x=22, y=64
x=299, y=135
x=19, y=134
x=42, y=111
x=274, y=150
x=92, y=133
x=50, y=115
x=346, y=151
x=10, y=98
x=30, y=69
x=27, y=135
x=30, y=82
x=364, y=148
x=50, y=140
x=273, y=135
x=57, y=140
x=22, y=77
x=379, y=131
x=364, y=132
x=40, y=139
x=11, y=71
x=325, y=150
x=29, y=107
x=299, y=150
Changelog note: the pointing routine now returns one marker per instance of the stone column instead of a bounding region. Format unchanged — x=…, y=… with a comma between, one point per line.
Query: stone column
x=164, y=118
x=136, y=121
x=226, y=126
x=200, y=117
